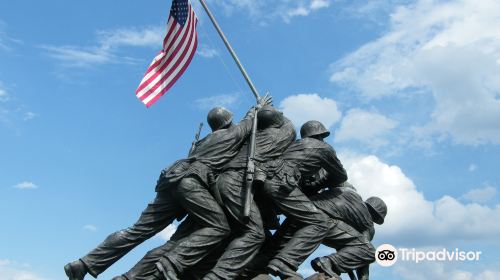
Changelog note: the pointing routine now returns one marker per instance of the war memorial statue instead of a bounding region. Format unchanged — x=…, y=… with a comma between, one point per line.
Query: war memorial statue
x=231, y=190
x=301, y=179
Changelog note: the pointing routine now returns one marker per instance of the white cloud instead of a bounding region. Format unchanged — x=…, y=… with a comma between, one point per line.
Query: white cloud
x=79, y=57
x=151, y=36
x=90, y=227
x=26, y=186
x=449, y=49
x=105, y=49
x=222, y=100
x=319, y=4
x=367, y=127
x=4, y=96
x=29, y=116
x=167, y=233
x=303, y=9
x=481, y=195
x=305, y=107
x=207, y=52
x=441, y=271
x=264, y=11
x=472, y=167
x=10, y=270
x=412, y=219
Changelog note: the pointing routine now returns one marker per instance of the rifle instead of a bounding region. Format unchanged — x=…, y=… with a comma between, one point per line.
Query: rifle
x=196, y=138
x=250, y=172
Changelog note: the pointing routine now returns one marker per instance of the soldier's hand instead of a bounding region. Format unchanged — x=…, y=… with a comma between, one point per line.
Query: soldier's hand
x=266, y=100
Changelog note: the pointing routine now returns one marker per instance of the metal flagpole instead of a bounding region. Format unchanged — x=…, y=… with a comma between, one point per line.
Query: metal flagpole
x=248, y=195
x=231, y=51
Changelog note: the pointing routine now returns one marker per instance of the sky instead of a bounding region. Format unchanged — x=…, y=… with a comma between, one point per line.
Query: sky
x=409, y=90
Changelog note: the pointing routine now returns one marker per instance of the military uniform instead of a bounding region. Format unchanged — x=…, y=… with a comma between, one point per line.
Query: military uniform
x=271, y=142
x=181, y=189
x=352, y=232
x=193, y=193
x=304, y=157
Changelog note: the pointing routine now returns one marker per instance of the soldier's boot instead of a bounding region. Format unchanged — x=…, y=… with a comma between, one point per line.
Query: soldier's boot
x=166, y=269
x=282, y=270
x=323, y=265
x=75, y=270
x=363, y=273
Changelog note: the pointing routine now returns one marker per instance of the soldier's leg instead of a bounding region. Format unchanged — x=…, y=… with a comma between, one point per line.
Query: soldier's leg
x=312, y=224
x=350, y=258
x=249, y=235
x=354, y=250
x=273, y=244
x=159, y=213
x=212, y=224
x=146, y=269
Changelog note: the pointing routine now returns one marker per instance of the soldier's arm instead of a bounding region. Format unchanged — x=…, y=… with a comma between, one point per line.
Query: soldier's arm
x=369, y=233
x=336, y=171
x=244, y=127
x=273, y=141
x=312, y=185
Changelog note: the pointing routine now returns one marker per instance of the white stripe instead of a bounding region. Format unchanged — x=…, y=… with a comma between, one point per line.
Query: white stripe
x=169, y=26
x=172, y=62
x=165, y=58
x=179, y=67
x=161, y=56
x=173, y=75
x=158, y=57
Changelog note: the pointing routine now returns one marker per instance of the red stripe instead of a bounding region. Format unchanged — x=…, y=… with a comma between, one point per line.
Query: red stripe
x=157, y=62
x=169, y=74
x=176, y=77
x=161, y=72
x=165, y=63
x=169, y=33
x=169, y=30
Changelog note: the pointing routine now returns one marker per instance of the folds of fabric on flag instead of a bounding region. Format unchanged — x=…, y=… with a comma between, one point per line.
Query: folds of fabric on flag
x=179, y=47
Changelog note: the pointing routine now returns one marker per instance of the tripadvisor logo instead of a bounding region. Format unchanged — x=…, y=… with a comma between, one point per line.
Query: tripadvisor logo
x=387, y=255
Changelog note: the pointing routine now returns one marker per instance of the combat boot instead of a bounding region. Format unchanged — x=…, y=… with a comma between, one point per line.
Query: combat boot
x=282, y=270
x=323, y=265
x=75, y=270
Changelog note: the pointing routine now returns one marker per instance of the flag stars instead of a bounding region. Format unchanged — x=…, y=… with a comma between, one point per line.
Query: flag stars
x=180, y=11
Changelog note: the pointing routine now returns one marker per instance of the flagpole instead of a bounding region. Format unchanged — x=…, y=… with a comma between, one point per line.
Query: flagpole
x=231, y=51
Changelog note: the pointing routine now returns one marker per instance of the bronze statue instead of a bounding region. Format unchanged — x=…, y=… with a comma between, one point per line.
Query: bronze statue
x=301, y=179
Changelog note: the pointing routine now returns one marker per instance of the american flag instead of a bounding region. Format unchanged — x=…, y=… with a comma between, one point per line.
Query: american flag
x=179, y=46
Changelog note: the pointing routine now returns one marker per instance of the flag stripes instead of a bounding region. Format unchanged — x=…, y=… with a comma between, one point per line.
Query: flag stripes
x=179, y=47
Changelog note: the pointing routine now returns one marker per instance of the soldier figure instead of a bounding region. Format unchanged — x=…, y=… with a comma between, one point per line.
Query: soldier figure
x=275, y=134
x=181, y=189
x=214, y=151
x=304, y=157
x=352, y=234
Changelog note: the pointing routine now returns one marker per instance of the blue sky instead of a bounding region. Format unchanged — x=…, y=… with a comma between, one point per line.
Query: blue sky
x=408, y=88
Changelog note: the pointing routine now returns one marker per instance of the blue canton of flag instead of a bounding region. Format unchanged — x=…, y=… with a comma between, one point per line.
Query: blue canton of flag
x=180, y=11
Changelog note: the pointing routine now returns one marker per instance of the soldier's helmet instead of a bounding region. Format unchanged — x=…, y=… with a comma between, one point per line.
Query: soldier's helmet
x=313, y=128
x=219, y=118
x=378, y=209
x=268, y=116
